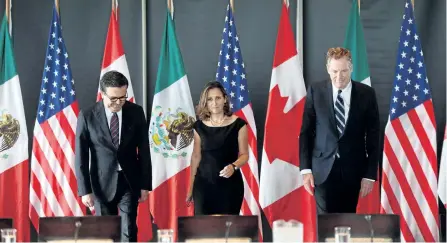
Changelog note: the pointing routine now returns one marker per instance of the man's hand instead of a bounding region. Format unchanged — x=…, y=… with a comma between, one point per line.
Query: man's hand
x=143, y=196
x=189, y=199
x=366, y=187
x=308, y=182
x=87, y=200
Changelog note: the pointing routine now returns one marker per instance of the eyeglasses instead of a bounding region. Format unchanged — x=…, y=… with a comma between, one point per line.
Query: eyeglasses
x=115, y=99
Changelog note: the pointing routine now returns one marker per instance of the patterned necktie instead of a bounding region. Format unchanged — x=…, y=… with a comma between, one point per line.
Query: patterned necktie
x=340, y=114
x=114, y=129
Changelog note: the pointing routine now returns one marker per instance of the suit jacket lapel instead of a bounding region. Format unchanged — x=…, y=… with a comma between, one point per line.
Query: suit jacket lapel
x=102, y=121
x=331, y=107
x=353, y=107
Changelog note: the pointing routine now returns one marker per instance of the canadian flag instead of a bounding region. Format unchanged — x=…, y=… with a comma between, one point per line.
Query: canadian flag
x=115, y=59
x=282, y=195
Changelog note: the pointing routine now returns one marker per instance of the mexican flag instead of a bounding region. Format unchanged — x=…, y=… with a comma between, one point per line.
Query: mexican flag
x=14, y=168
x=355, y=42
x=171, y=134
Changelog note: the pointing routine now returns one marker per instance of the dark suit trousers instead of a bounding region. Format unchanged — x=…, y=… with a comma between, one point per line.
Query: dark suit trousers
x=340, y=192
x=125, y=203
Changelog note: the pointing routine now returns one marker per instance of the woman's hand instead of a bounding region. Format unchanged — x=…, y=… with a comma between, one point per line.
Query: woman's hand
x=227, y=171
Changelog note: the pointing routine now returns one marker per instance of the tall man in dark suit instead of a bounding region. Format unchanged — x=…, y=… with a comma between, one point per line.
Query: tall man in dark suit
x=339, y=140
x=118, y=176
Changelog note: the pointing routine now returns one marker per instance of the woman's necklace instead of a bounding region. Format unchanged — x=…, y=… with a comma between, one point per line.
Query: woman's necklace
x=217, y=123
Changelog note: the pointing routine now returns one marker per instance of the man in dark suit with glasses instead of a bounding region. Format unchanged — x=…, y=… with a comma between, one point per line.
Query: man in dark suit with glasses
x=113, y=167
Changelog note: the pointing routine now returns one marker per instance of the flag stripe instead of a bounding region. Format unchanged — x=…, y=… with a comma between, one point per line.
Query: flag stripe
x=430, y=112
x=50, y=146
x=426, y=125
x=411, y=137
x=67, y=141
x=442, y=184
x=44, y=154
x=54, y=174
x=245, y=209
x=393, y=205
x=66, y=146
x=51, y=207
x=416, y=177
x=252, y=173
x=424, y=141
x=42, y=200
x=248, y=116
x=71, y=114
x=418, y=165
x=35, y=208
x=253, y=206
x=36, y=187
x=415, y=206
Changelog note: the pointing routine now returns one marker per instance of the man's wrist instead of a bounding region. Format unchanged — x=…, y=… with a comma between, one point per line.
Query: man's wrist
x=306, y=171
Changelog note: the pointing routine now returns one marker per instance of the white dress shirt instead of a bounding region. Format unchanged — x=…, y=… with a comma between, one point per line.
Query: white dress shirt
x=346, y=96
x=109, y=115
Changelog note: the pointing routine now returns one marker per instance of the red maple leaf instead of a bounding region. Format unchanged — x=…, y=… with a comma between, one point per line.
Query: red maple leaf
x=282, y=130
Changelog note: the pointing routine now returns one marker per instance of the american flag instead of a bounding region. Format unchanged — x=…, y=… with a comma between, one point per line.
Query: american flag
x=53, y=189
x=231, y=74
x=409, y=186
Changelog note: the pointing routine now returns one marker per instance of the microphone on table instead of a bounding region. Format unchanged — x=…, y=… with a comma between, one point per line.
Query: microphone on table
x=78, y=225
x=371, y=229
x=227, y=230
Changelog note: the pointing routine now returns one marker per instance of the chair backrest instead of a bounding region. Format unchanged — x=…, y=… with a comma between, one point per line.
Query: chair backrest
x=386, y=226
x=233, y=227
x=6, y=223
x=87, y=227
x=442, y=219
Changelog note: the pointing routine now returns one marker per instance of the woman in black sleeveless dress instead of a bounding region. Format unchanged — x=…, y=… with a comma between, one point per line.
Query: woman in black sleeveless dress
x=220, y=149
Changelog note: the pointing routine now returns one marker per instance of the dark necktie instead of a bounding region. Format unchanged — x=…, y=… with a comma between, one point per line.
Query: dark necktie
x=340, y=114
x=114, y=129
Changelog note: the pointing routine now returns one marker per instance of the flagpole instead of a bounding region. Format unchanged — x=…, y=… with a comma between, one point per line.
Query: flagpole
x=144, y=54
x=8, y=16
x=412, y=3
x=171, y=7
x=232, y=5
x=299, y=31
x=7, y=10
x=115, y=8
x=358, y=3
x=56, y=3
